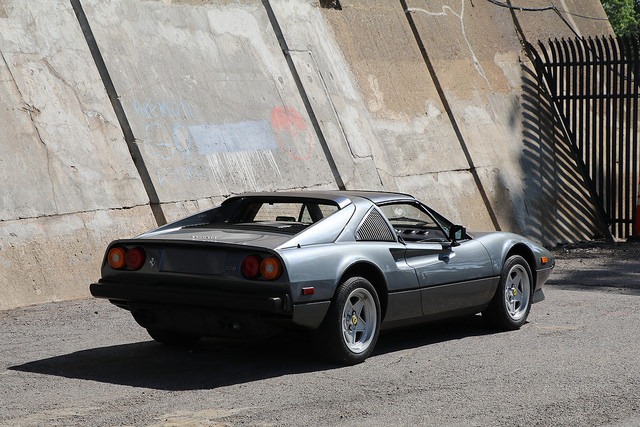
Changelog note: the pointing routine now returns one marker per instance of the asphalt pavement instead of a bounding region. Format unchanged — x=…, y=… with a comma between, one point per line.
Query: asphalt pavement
x=575, y=363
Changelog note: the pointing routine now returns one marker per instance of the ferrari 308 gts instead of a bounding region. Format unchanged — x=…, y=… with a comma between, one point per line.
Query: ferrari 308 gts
x=341, y=264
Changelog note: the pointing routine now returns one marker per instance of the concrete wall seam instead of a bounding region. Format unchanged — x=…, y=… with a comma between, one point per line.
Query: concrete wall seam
x=129, y=137
x=286, y=52
x=436, y=81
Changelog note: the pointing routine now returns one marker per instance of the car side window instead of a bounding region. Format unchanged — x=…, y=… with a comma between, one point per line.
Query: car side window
x=413, y=223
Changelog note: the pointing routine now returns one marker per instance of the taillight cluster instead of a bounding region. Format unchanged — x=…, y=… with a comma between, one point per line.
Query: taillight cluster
x=256, y=267
x=120, y=258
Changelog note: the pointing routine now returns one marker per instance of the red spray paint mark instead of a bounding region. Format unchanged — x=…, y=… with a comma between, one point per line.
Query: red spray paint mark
x=291, y=132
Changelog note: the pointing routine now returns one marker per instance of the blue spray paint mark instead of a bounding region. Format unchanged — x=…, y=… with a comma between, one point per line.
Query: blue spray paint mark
x=233, y=137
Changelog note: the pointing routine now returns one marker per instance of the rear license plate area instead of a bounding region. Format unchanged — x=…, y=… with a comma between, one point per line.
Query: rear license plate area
x=192, y=261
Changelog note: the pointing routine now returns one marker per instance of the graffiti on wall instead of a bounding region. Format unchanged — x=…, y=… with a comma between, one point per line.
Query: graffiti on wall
x=165, y=131
x=292, y=132
x=236, y=153
x=449, y=11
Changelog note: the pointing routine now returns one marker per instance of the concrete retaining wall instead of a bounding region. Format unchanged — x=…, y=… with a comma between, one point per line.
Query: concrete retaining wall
x=119, y=114
x=68, y=182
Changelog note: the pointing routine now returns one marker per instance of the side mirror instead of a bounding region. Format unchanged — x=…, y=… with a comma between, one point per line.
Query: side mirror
x=457, y=232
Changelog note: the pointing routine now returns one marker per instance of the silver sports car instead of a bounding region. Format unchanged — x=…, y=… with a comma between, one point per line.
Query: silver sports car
x=342, y=264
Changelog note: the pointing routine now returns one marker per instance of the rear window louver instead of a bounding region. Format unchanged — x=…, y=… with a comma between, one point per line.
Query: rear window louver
x=375, y=229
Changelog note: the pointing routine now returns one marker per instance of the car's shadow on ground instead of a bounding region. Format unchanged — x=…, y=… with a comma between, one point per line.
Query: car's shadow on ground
x=215, y=363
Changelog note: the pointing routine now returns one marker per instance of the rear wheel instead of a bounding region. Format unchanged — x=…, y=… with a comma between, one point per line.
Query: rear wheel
x=512, y=302
x=173, y=338
x=352, y=325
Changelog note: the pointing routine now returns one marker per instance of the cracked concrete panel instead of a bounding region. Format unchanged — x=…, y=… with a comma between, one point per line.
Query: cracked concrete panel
x=475, y=33
x=560, y=19
x=381, y=50
x=332, y=92
x=209, y=97
x=479, y=68
x=68, y=151
x=414, y=140
x=411, y=132
x=22, y=155
x=55, y=258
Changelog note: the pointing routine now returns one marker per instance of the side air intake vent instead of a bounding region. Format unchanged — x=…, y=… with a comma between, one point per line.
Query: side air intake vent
x=375, y=229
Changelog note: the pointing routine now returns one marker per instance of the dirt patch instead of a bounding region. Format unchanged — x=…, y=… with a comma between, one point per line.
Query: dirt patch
x=606, y=266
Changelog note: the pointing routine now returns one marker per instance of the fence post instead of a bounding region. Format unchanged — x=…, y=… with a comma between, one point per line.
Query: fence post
x=636, y=218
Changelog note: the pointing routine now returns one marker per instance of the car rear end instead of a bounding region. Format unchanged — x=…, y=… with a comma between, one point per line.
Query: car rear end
x=198, y=287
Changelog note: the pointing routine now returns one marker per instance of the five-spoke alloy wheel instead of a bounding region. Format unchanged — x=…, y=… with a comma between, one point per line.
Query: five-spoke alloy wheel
x=511, y=304
x=352, y=325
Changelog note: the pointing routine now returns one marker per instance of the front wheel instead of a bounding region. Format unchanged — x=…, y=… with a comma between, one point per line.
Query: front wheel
x=512, y=301
x=352, y=325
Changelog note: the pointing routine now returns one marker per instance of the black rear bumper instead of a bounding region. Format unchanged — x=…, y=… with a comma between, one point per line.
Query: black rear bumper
x=124, y=293
x=209, y=311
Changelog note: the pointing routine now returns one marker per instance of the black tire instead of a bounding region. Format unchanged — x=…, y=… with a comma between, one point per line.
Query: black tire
x=351, y=327
x=511, y=303
x=173, y=338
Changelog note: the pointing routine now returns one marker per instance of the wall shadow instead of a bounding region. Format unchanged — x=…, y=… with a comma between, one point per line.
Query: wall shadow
x=555, y=194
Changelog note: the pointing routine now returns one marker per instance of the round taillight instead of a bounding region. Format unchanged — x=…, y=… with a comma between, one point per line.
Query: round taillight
x=270, y=268
x=250, y=267
x=115, y=258
x=134, y=258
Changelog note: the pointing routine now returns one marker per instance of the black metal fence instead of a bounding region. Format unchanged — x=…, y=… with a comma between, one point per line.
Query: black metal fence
x=593, y=85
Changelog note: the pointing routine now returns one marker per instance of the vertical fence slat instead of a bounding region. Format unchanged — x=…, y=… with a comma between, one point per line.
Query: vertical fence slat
x=598, y=104
x=601, y=152
x=612, y=152
x=622, y=198
x=635, y=158
x=624, y=137
x=580, y=99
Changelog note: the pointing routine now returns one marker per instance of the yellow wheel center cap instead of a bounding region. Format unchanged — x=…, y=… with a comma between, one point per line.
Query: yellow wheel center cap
x=514, y=291
x=354, y=320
